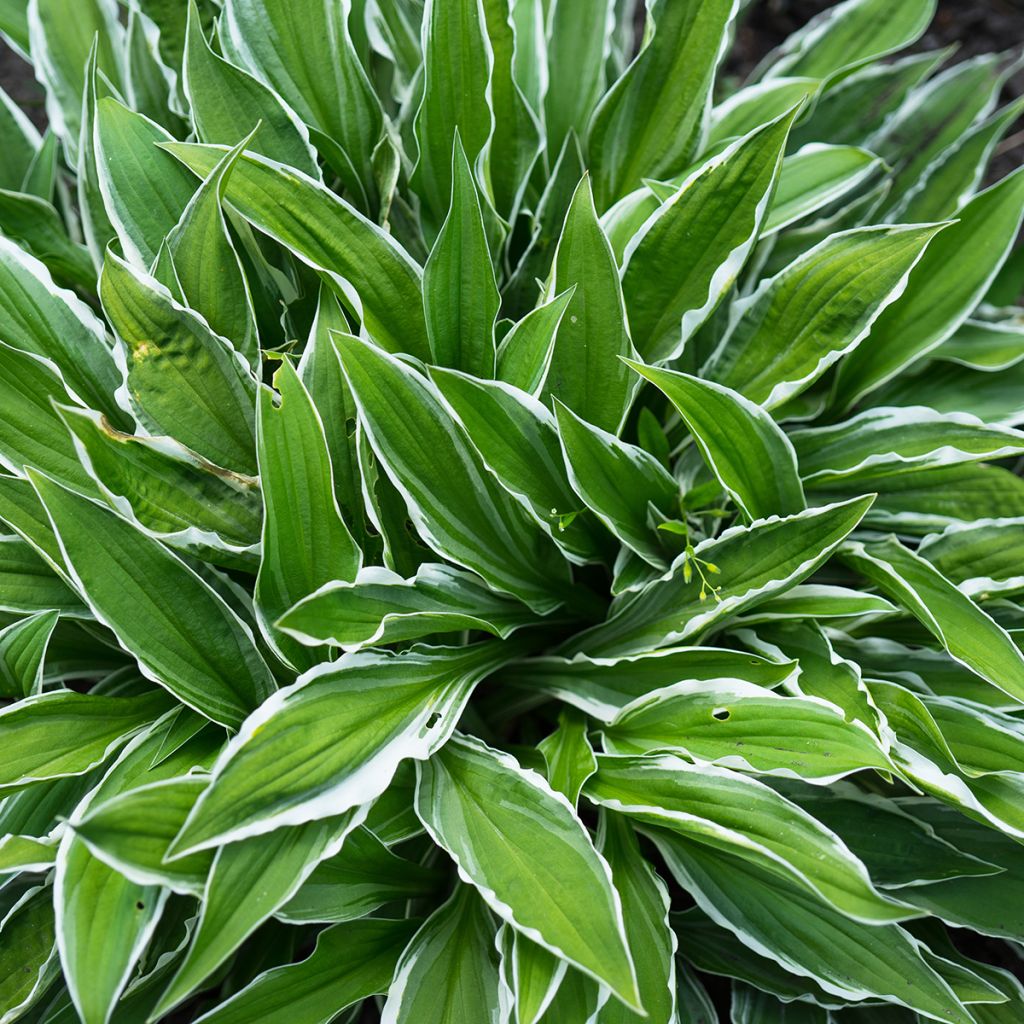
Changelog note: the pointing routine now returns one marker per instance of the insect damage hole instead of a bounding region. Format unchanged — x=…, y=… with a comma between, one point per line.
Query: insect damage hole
x=721, y=714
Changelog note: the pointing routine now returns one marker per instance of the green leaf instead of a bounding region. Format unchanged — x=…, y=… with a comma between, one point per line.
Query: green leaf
x=619, y=482
x=22, y=651
x=734, y=724
x=955, y=176
x=379, y=607
x=60, y=35
x=689, y=252
x=53, y=735
x=745, y=818
x=456, y=505
x=183, y=379
x=96, y=225
x=775, y=918
x=524, y=355
x=932, y=118
x=460, y=296
x=984, y=346
x=355, y=882
x=32, y=433
x=645, y=906
x=824, y=304
x=516, y=140
x=226, y=103
x=271, y=868
x=311, y=63
x=132, y=831
x=359, y=718
x=497, y=845
x=55, y=324
x=364, y=264
x=909, y=437
x=969, y=635
x=850, y=33
x=170, y=493
x=201, y=241
x=649, y=123
x=457, y=61
x=37, y=227
x=448, y=972
x=816, y=176
x=298, y=500
x=530, y=972
x=942, y=291
x=29, y=584
x=578, y=41
x=144, y=190
x=568, y=755
x=349, y=962
x=602, y=687
x=584, y=372
x=981, y=557
x=754, y=105
x=21, y=140
x=88, y=894
x=27, y=957
x=749, y=455
x=183, y=634
x=897, y=849
x=518, y=440
x=755, y=563
x=320, y=371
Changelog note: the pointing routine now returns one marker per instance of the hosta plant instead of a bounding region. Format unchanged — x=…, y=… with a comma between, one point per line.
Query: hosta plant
x=503, y=522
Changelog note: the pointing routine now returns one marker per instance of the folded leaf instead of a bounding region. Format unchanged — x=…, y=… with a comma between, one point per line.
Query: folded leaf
x=226, y=103
x=184, y=380
x=744, y=818
x=183, y=634
x=601, y=687
x=460, y=295
x=823, y=305
x=53, y=735
x=969, y=635
x=939, y=295
x=312, y=64
x=808, y=938
x=448, y=972
x=649, y=122
x=619, y=482
x=585, y=373
x=349, y=963
x=517, y=437
x=363, y=263
x=497, y=845
x=358, y=717
x=456, y=75
x=379, y=607
x=271, y=868
x=909, y=437
x=355, y=882
x=144, y=190
x=754, y=563
x=568, y=755
x=457, y=506
x=298, y=500
x=55, y=324
x=22, y=650
x=734, y=724
x=690, y=251
x=524, y=355
x=750, y=456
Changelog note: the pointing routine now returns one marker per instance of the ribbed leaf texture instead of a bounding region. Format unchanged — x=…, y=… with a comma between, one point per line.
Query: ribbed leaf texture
x=503, y=523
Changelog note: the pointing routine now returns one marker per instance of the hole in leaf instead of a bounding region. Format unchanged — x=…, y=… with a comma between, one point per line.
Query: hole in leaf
x=139, y=905
x=433, y=720
x=721, y=714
